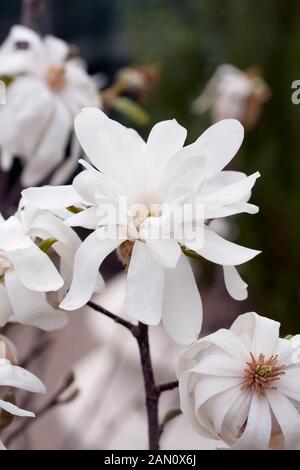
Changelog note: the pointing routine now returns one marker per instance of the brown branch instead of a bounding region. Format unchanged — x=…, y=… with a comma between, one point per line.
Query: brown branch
x=130, y=326
x=152, y=395
x=49, y=405
x=166, y=387
x=152, y=391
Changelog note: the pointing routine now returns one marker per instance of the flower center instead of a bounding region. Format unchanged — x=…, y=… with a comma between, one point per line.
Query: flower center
x=56, y=77
x=5, y=264
x=261, y=373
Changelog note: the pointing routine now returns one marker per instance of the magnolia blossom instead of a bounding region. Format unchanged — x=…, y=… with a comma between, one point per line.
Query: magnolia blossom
x=47, y=92
x=156, y=178
x=233, y=93
x=27, y=273
x=16, y=377
x=242, y=385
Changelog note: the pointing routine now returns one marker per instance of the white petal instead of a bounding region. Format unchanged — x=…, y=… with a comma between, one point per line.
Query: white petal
x=12, y=236
x=87, y=262
x=221, y=251
x=224, y=340
x=86, y=219
x=50, y=226
x=45, y=160
x=145, y=285
x=56, y=50
x=235, y=285
x=259, y=334
x=187, y=383
x=219, y=405
x=208, y=387
x=88, y=184
x=232, y=193
x=222, y=141
x=258, y=428
x=219, y=364
x=35, y=270
x=15, y=410
x=2, y=447
x=287, y=416
x=32, y=308
x=214, y=211
x=67, y=167
x=165, y=252
x=289, y=383
x=182, y=306
x=236, y=417
x=165, y=139
x=14, y=376
x=112, y=149
x=51, y=197
x=14, y=61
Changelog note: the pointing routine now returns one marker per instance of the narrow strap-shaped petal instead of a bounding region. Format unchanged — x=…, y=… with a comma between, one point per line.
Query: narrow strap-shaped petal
x=87, y=262
x=257, y=433
x=145, y=286
x=15, y=410
x=182, y=306
x=235, y=285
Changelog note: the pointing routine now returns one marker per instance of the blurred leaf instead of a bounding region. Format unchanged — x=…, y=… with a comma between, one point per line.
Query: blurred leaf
x=131, y=110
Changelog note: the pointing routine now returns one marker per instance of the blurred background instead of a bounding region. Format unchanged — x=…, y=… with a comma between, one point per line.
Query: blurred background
x=185, y=42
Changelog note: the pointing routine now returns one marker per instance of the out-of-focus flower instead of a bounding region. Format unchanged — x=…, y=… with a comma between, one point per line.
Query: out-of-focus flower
x=155, y=178
x=241, y=385
x=27, y=273
x=46, y=93
x=233, y=93
x=139, y=80
x=16, y=377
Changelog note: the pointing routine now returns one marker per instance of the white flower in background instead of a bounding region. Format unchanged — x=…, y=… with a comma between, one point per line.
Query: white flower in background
x=16, y=377
x=242, y=386
x=160, y=172
x=47, y=92
x=27, y=273
x=233, y=93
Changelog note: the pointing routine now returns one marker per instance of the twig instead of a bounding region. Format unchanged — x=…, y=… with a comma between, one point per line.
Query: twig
x=50, y=404
x=152, y=395
x=152, y=391
x=166, y=387
x=130, y=326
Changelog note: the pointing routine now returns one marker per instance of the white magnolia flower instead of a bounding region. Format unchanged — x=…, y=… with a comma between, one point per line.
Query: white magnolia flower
x=16, y=377
x=233, y=93
x=164, y=173
x=27, y=273
x=242, y=386
x=47, y=92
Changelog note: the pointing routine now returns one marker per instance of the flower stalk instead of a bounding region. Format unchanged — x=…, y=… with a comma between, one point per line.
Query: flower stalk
x=152, y=391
